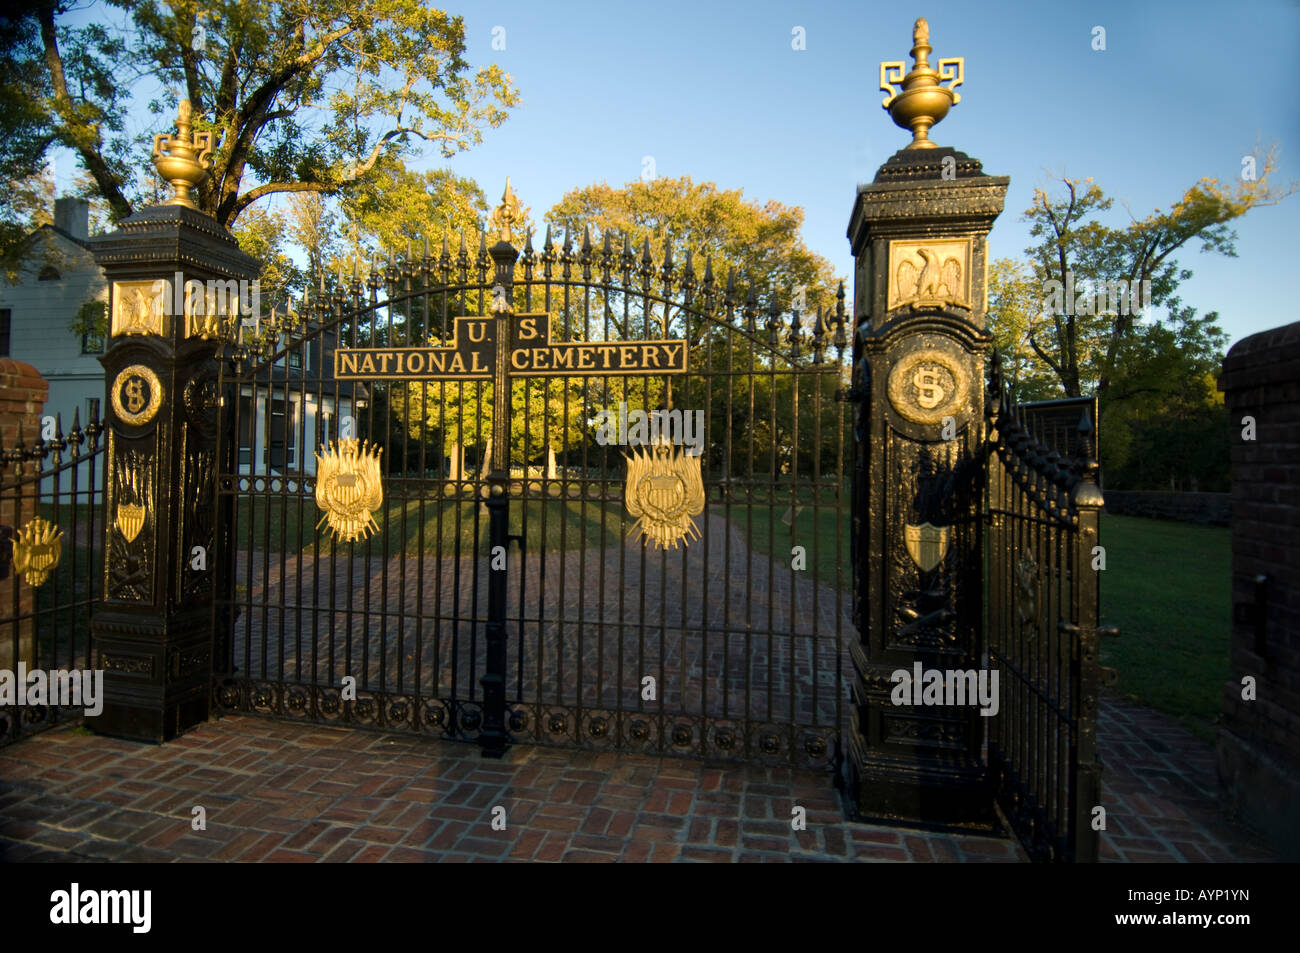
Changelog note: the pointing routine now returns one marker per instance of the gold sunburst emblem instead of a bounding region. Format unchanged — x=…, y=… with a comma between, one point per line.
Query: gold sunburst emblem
x=37, y=550
x=664, y=491
x=349, y=488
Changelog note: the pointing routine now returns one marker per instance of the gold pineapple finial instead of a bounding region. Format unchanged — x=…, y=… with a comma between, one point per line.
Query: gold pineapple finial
x=507, y=215
x=183, y=158
x=923, y=101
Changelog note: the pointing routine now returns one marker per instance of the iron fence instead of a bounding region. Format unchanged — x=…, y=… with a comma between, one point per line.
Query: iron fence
x=51, y=567
x=742, y=634
x=1042, y=511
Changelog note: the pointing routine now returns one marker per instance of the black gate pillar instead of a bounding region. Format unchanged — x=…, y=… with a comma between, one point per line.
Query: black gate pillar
x=918, y=234
x=177, y=283
x=494, y=737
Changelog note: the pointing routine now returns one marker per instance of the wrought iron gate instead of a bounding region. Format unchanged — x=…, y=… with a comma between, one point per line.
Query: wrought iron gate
x=504, y=592
x=1042, y=511
x=51, y=563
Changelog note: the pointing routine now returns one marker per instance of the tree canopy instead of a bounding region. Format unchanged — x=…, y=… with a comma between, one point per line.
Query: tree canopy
x=301, y=96
x=1081, y=339
x=1095, y=309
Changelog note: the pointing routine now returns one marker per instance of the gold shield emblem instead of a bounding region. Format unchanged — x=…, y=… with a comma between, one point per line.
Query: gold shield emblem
x=130, y=520
x=926, y=544
x=349, y=489
x=37, y=550
x=664, y=491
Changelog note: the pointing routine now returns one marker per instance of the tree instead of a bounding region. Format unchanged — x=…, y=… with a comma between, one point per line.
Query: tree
x=396, y=208
x=760, y=246
x=311, y=225
x=760, y=243
x=301, y=96
x=1012, y=300
x=261, y=233
x=26, y=204
x=1081, y=341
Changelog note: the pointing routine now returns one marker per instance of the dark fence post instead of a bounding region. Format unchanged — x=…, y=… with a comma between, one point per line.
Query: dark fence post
x=918, y=234
x=176, y=280
x=494, y=738
x=1087, y=672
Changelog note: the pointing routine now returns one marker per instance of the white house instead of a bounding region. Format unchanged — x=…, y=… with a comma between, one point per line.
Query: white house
x=57, y=275
x=295, y=408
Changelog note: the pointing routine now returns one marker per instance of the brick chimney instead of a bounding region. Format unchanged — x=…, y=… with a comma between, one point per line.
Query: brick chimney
x=73, y=216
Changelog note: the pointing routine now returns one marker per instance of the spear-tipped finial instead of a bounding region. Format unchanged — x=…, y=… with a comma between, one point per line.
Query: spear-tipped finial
x=923, y=101
x=183, y=158
x=507, y=215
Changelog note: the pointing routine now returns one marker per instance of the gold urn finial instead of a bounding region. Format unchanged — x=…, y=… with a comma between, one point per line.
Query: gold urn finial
x=508, y=214
x=923, y=101
x=183, y=158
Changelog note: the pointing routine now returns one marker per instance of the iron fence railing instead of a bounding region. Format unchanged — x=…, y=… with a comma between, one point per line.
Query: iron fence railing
x=51, y=569
x=743, y=635
x=1042, y=511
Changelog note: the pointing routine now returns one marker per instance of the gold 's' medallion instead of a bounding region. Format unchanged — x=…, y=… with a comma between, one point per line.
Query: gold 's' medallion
x=349, y=488
x=136, y=395
x=37, y=550
x=927, y=386
x=664, y=491
x=927, y=544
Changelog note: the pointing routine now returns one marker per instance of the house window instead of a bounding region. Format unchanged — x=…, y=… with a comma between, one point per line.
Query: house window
x=295, y=359
x=280, y=452
x=49, y=273
x=6, y=319
x=245, y=430
x=92, y=343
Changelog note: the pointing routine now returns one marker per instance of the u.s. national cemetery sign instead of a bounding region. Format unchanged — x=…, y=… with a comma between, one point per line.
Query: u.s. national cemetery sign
x=471, y=355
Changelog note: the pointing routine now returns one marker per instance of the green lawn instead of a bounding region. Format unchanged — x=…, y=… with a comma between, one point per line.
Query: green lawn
x=816, y=532
x=1167, y=585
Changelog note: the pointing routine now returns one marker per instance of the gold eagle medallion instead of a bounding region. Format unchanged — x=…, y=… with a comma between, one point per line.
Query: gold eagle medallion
x=349, y=488
x=664, y=491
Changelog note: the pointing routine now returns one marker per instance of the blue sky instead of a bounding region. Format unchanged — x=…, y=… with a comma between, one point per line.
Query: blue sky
x=715, y=91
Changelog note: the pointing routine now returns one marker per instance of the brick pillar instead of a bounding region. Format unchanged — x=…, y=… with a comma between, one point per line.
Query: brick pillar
x=22, y=398
x=1259, y=740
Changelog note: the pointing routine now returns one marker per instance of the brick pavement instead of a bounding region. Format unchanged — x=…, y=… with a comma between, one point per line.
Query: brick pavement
x=292, y=792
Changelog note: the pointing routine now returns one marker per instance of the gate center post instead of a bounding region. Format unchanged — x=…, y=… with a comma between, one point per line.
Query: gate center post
x=494, y=738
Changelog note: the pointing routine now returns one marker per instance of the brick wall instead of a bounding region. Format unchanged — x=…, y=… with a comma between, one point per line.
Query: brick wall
x=1259, y=742
x=22, y=398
